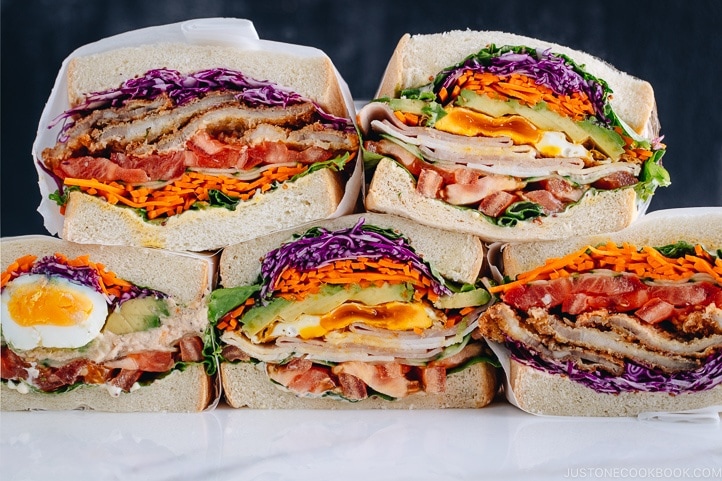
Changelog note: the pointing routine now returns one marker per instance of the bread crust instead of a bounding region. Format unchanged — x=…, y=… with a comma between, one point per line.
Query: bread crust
x=696, y=225
x=90, y=219
x=190, y=390
x=393, y=191
x=312, y=76
x=245, y=385
x=531, y=389
x=456, y=256
x=418, y=58
x=187, y=278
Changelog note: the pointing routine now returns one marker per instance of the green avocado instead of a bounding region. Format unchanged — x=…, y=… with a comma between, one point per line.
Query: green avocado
x=608, y=141
x=459, y=300
x=139, y=314
x=329, y=297
x=412, y=106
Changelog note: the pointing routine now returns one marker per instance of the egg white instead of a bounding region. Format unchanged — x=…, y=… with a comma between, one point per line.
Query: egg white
x=555, y=144
x=29, y=337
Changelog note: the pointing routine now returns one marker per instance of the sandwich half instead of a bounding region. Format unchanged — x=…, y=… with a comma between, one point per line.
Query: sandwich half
x=193, y=146
x=509, y=138
x=618, y=324
x=364, y=311
x=107, y=328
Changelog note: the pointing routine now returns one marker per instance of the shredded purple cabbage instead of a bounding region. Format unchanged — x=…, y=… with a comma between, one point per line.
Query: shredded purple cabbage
x=87, y=276
x=544, y=67
x=183, y=88
x=636, y=378
x=319, y=247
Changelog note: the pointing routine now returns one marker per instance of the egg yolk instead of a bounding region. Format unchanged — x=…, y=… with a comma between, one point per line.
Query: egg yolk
x=395, y=316
x=467, y=122
x=51, y=305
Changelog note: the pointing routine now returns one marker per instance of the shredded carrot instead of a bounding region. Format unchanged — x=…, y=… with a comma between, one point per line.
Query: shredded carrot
x=646, y=262
x=524, y=89
x=19, y=266
x=295, y=285
x=182, y=194
x=110, y=284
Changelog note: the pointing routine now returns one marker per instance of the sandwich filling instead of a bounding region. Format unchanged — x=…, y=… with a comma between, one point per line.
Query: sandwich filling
x=351, y=314
x=617, y=318
x=166, y=142
x=513, y=133
x=69, y=322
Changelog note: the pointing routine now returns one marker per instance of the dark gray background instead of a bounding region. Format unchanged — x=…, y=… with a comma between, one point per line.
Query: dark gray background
x=675, y=45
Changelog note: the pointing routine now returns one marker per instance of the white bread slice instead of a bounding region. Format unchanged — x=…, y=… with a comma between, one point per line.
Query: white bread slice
x=245, y=385
x=418, y=58
x=313, y=77
x=187, y=278
x=456, y=256
x=89, y=219
x=190, y=390
x=532, y=389
x=701, y=225
x=393, y=190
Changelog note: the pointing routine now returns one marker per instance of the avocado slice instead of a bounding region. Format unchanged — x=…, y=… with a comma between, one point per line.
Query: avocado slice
x=327, y=299
x=608, y=141
x=412, y=106
x=459, y=300
x=139, y=314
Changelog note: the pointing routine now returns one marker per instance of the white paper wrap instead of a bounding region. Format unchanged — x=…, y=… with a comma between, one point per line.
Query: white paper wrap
x=239, y=33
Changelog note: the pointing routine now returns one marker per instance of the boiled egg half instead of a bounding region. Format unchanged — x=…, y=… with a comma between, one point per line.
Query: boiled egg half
x=50, y=311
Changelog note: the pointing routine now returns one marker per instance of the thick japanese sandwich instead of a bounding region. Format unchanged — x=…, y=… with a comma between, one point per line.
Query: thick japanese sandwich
x=108, y=328
x=192, y=145
x=510, y=138
x=364, y=311
x=615, y=325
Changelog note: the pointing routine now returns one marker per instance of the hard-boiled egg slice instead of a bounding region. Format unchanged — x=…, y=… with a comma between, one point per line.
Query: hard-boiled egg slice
x=48, y=311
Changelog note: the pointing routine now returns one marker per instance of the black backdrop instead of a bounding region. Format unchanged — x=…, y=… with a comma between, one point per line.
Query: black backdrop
x=675, y=45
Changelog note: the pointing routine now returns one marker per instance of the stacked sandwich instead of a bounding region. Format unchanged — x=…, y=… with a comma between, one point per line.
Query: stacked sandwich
x=551, y=156
x=206, y=191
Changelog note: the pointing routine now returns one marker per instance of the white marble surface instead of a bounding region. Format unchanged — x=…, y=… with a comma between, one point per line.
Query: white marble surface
x=497, y=442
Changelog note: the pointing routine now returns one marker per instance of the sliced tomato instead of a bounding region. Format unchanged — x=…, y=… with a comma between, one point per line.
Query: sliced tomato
x=544, y=198
x=546, y=294
x=433, y=379
x=615, y=181
x=689, y=294
x=562, y=189
x=496, y=204
x=429, y=183
x=655, y=310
